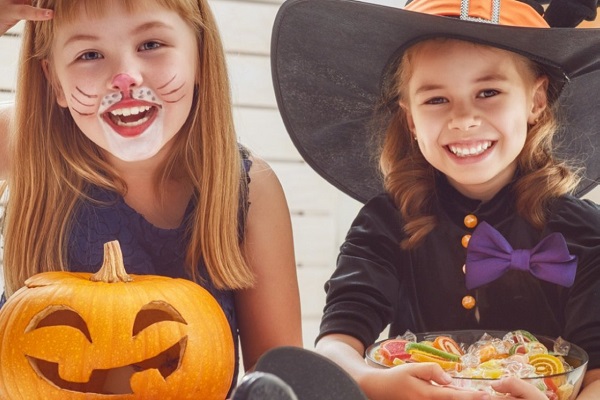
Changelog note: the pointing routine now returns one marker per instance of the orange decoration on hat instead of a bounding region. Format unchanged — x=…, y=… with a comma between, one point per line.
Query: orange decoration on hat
x=501, y=12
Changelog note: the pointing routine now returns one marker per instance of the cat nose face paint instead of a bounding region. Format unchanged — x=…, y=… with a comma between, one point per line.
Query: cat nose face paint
x=132, y=123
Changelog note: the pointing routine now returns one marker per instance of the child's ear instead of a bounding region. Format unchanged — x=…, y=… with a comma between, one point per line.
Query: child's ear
x=540, y=99
x=409, y=119
x=56, y=88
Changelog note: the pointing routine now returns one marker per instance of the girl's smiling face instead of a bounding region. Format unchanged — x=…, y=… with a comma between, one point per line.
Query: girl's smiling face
x=469, y=107
x=127, y=77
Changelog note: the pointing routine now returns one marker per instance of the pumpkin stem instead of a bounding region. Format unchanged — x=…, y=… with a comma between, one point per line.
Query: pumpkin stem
x=113, y=269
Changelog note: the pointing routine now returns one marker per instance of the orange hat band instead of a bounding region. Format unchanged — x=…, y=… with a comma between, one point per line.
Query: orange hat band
x=500, y=12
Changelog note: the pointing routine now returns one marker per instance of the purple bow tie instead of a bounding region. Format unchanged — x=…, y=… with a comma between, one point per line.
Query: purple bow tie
x=489, y=256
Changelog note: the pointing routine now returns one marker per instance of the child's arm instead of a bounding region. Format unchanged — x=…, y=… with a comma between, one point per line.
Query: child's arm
x=6, y=112
x=591, y=385
x=12, y=11
x=269, y=313
x=408, y=381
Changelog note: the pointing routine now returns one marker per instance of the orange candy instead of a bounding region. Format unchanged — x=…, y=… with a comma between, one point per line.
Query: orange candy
x=546, y=364
x=448, y=345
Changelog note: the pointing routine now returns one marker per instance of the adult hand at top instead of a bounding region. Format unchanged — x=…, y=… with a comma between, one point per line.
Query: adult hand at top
x=12, y=11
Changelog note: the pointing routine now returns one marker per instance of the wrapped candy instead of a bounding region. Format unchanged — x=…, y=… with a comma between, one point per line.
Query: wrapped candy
x=488, y=357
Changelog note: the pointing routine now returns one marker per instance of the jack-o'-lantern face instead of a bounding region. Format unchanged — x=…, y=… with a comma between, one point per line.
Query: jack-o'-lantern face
x=65, y=336
x=59, y=321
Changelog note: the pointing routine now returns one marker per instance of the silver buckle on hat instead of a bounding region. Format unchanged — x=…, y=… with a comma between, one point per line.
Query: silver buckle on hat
x=464, y=12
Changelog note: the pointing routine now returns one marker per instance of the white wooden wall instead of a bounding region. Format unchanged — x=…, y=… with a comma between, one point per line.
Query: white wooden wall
x=320, y=214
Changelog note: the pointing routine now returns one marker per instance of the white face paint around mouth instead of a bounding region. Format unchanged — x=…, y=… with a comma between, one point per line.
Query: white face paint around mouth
x=133, y=146
x=470, y=150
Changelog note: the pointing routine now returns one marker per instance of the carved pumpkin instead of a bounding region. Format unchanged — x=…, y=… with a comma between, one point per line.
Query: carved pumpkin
x=113, y=336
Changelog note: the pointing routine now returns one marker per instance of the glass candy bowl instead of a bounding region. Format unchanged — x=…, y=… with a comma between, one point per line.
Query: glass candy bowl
x=477, y=358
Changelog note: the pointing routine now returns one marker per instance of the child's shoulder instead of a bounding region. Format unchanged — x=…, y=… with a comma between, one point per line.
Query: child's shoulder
x=572, y=214
x=572, y=204
x=381, y=211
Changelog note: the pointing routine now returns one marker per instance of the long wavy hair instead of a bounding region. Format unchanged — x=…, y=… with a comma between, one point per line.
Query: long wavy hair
x=53, y=162
x=410, y=179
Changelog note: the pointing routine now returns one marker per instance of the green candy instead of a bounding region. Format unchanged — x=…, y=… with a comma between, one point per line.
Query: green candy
x=431, y=350
x=527, y=335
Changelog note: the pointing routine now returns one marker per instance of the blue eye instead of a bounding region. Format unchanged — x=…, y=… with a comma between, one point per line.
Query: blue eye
x=150, y=46
x=90, y=55
x=488, y=93
x=436, y=100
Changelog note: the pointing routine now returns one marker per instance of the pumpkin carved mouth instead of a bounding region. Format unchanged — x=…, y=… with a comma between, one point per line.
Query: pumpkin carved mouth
x=167, y=362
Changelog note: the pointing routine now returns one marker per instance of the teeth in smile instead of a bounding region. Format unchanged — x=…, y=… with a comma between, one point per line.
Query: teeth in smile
x=131, y=124
x=466, y=151
x=117, y=114
x=129, y=111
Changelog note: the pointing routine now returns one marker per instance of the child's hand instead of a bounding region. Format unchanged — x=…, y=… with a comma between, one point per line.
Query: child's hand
x=12, y=11
x=517, y=389
x=414, y=382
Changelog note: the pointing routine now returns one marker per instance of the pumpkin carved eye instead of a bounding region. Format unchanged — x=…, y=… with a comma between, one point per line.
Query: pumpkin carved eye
x=154, y=312
x=59, y=315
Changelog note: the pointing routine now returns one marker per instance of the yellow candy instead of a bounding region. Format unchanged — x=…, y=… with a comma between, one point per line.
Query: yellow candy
x=491, y=373
x=421, y=356
x=491, y=364
x=565, y=392
x=546, y=364
x=491, y=369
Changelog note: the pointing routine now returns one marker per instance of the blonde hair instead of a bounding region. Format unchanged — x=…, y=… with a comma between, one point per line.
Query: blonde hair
x=54, y=162
x=410, y=179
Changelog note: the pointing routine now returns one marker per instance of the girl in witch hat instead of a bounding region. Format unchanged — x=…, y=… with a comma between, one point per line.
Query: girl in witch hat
x=469, y=129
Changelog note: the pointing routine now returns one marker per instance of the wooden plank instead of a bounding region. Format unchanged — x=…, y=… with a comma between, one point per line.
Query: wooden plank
x=6, y=97
x=251, y=84
x=315, y=241
x=262, y=130
x=9, y=54
x=310, y=328
x=248, y=20
x=306, y=192
x=311, y=282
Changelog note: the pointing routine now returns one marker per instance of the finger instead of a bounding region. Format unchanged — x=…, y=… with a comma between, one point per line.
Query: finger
x=431, y=372
x=26, y=12
x=517, y=388
x=450, y=393
x=434, y=373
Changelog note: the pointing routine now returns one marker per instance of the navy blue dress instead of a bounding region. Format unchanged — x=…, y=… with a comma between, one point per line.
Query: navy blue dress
x=147, y=250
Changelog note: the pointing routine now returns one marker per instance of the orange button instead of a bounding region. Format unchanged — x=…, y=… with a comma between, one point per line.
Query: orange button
x=465, y=240
x=470, y=221
x=468, y=302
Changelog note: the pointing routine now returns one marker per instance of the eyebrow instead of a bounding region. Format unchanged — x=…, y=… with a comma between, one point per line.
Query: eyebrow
x=492, y=77
x=141, y=28
x=151, y=25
